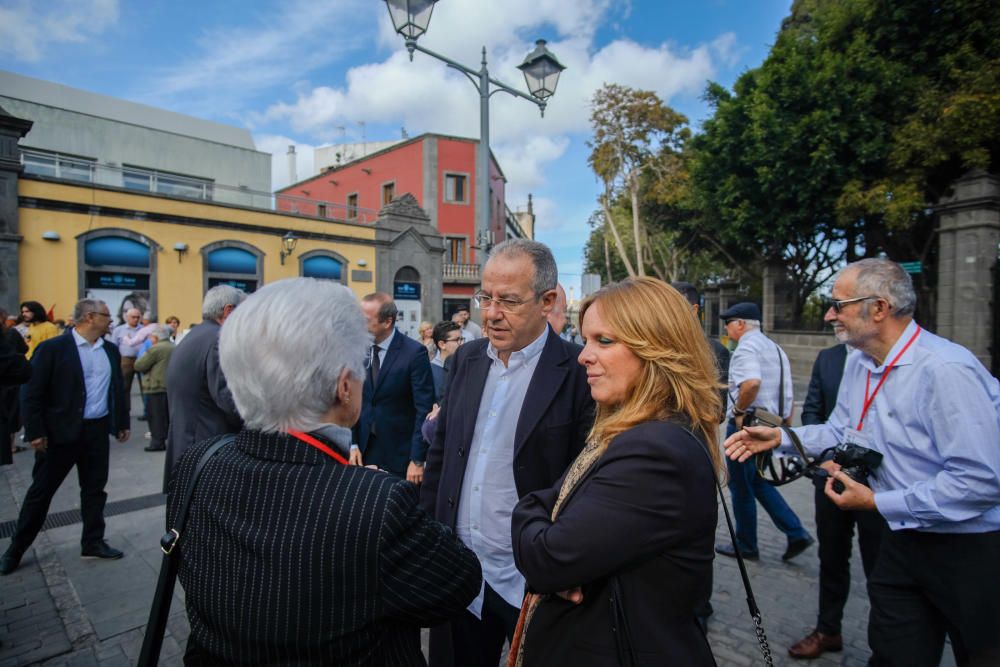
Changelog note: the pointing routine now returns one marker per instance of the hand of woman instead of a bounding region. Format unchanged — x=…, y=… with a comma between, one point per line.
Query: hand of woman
x=574, y=595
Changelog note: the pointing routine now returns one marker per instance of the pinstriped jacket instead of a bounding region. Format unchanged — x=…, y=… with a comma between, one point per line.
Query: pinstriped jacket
x=291, y=558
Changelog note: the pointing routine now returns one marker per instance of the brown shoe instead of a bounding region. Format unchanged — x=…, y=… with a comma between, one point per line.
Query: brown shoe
x=815, y=645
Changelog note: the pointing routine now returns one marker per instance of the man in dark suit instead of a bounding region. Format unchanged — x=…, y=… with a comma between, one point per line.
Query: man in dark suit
x=398, y=394
x=74, y=400
x=834, y=527
x=516, y=414
x=14, y=370
x=198, y=398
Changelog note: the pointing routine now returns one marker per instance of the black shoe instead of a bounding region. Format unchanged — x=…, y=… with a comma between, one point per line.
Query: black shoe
x=795, y=547
x=100, y=550
x=727, y=549
x=150, y=448
x=9, y=561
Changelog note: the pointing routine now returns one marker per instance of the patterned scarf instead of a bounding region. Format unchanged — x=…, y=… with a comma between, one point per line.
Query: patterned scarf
x=590, y=455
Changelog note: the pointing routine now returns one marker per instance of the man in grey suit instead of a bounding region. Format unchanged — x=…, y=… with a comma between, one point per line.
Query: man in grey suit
x=197, y=396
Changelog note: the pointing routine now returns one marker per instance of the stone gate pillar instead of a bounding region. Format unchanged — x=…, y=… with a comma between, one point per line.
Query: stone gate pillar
x=968, y=239
x=11, y=131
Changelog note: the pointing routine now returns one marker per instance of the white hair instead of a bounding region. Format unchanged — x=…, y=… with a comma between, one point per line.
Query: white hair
x=752, y=324
x=283, y=350
x=886, y=279
x=162, y=332
x=217, y=298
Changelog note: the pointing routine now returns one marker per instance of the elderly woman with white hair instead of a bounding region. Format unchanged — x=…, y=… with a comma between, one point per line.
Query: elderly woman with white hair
x=289, y=555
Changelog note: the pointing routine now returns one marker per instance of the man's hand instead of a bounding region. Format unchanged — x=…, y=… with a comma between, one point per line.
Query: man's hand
x=433, y=414
x=355, y=457
x=854, y=497
x=746, y=442
x=830, y=466
x=414, y=473
x=40, y=444
x=123, y=435
x=574, y=595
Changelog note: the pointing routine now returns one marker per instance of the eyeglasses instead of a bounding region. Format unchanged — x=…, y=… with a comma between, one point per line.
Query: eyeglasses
x=505, y=305
x=458, y=340
x=838, y=306
x=97, y=312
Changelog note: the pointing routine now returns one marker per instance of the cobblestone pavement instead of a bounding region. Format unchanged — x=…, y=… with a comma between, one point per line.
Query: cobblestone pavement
x=57, y=609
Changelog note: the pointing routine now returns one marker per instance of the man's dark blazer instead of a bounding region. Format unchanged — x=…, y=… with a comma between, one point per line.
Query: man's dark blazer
x=197, y=395
x=396, y=404
x=821, y=399
x=551, y=430
x=644, y=514
x=52, y=402
x=289, y=557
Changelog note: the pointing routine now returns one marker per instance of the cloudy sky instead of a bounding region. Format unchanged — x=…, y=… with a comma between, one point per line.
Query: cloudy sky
x=315, y=72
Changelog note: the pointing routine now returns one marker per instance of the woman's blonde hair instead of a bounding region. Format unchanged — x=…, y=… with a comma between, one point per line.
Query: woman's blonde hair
x=679, y=377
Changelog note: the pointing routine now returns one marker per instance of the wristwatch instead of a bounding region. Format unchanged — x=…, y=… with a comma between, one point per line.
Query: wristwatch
x=419, y=464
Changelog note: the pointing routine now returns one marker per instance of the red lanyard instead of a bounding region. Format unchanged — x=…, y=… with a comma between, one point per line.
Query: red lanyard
x=869, y=399
x=309, y=440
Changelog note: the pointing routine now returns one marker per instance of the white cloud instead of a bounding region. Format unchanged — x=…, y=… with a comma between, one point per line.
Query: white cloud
x=28, y=28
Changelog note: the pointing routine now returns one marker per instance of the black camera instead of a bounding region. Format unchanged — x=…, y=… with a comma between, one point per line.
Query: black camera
x=856, y=462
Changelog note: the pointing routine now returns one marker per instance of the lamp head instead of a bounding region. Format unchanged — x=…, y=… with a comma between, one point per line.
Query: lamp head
x=289, y=241
x=410, y=18
x=541, y=71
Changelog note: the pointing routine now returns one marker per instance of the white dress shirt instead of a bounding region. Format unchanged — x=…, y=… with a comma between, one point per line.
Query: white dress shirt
x=488, y=490
x=756, y=358
x=96, y=375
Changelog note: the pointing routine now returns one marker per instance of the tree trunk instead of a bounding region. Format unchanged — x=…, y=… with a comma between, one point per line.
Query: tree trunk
x=636, y=231
x=607, y=257
x=610, y=223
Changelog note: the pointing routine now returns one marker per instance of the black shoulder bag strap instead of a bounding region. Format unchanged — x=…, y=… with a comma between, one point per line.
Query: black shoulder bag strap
x=160, y=610
x=751, y=600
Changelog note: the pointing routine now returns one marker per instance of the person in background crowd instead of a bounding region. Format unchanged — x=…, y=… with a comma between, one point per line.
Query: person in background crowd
x=931, y=409
x=447, y=338
x=175, y=327
x=37, y=326
x=289, y=556
x=74, y=400
x=15, y=370
x=516, y=413
x=199, y=402
x=470, y=330
x=398, y=395
x=759, y=376
x=633, y=519
x=129, y=352
x=426, y=331
x=153, y=367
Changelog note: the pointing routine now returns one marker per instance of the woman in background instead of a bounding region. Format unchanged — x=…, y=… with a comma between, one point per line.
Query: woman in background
x=619, y=552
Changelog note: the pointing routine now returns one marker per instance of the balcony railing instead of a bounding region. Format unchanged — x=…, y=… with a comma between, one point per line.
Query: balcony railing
x=77, y=170
x=460, y=272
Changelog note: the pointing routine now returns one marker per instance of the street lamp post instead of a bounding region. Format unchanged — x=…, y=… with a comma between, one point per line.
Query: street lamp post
x=541, y=71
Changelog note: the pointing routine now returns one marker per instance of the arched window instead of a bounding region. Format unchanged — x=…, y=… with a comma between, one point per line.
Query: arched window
x=118, y=266
x=233, y=263
x=323, y=264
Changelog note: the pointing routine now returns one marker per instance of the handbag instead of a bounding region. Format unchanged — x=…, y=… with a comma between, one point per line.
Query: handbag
x=160, y=609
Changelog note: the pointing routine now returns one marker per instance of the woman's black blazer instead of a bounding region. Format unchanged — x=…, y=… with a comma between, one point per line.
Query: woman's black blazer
x=644, y=514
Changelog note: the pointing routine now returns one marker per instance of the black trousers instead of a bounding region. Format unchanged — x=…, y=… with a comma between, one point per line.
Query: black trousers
x=835, y=530
x=159, y=419
x=90, y=456
x=477, y=642
x=926, y=585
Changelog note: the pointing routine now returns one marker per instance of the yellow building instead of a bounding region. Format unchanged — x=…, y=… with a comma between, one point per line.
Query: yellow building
x=86, y=240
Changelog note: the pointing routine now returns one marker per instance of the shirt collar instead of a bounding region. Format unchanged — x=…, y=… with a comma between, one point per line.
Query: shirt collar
x=384, y=345
x=437, y=360
x=80, y=340
x=523, y=355
x=901, y=342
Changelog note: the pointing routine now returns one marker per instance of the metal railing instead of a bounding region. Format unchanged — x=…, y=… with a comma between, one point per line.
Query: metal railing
x=452, y=271
x=71, y=169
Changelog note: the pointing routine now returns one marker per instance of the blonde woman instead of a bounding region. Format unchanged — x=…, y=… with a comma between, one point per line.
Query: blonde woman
x=619, y=552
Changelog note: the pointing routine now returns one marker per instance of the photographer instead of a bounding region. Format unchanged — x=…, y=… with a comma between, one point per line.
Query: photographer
x=932, y=412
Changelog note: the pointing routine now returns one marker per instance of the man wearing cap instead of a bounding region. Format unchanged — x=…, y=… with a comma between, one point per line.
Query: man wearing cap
x=759, y=376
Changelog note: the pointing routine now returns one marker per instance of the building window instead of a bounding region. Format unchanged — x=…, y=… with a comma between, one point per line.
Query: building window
x=352, y=206
x=456, y=249
x=321, y=210
x=118, y=266
x=324, y=265
x=55, y=165
x=233, y=263
x=148, y=180
x=455, y=189
x=388, y=193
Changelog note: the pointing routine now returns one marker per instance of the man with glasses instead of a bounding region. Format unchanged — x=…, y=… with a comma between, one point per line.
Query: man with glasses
x=759, y=376
x=447, y=337
x=516, y=414
x=931, y=409
x=74, y=400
